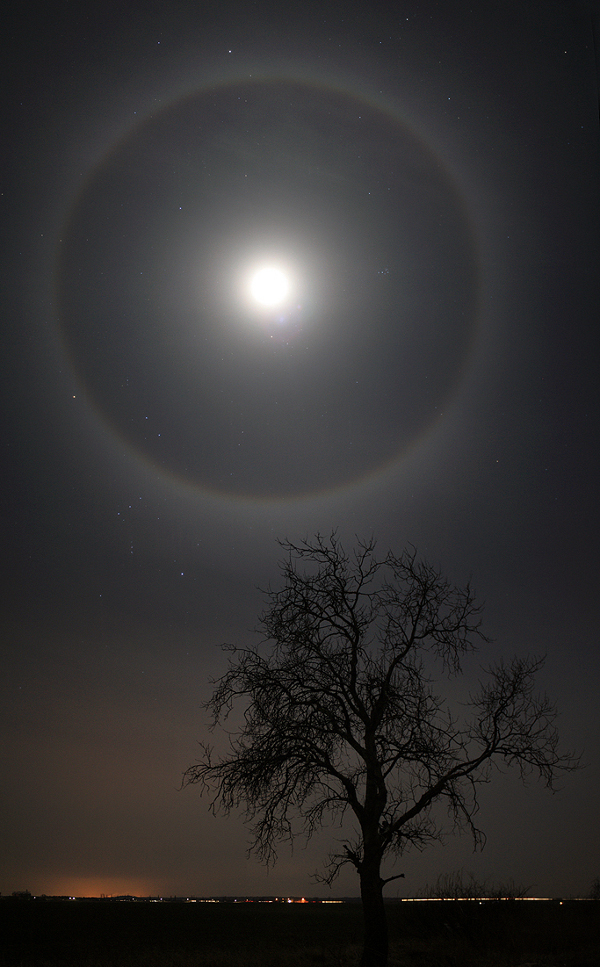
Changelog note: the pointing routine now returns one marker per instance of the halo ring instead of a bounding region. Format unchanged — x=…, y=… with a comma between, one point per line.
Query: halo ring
x=353, y=474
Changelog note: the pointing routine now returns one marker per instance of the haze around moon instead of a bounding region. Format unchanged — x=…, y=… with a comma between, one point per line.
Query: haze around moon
x=243, y=270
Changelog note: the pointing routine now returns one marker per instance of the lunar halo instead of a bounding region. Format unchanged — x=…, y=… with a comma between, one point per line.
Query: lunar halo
x=324, y=456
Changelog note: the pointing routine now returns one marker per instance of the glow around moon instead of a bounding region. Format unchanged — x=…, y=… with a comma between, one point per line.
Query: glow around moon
x=256, y=331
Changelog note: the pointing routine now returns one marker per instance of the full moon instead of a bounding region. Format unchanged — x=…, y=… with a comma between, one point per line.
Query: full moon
x=269, y=286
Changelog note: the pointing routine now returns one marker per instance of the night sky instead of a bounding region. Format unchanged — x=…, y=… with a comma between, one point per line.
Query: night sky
x=425, y=176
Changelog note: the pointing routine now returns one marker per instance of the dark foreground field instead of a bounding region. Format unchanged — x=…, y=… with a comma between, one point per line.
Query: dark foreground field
x=444, y=934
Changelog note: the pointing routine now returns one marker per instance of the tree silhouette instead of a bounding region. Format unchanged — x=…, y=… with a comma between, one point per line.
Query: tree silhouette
x=340, y=718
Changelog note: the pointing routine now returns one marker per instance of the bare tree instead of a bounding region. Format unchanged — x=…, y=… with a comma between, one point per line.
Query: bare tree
x=460, y=885
x=341, y=720
x=594, y=893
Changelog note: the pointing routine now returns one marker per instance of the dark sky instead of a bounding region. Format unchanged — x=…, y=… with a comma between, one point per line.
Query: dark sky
x=427, y=176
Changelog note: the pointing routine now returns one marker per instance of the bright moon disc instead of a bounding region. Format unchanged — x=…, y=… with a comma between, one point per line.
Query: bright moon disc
x=269, y=286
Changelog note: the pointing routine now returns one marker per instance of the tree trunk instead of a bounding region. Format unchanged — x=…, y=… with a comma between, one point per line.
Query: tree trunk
x=375, y=949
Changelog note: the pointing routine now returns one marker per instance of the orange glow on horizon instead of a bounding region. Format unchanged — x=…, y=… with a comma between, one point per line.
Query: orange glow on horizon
x=81, y=886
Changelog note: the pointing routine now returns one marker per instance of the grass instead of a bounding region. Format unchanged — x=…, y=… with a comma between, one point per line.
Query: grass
x=445, y=934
